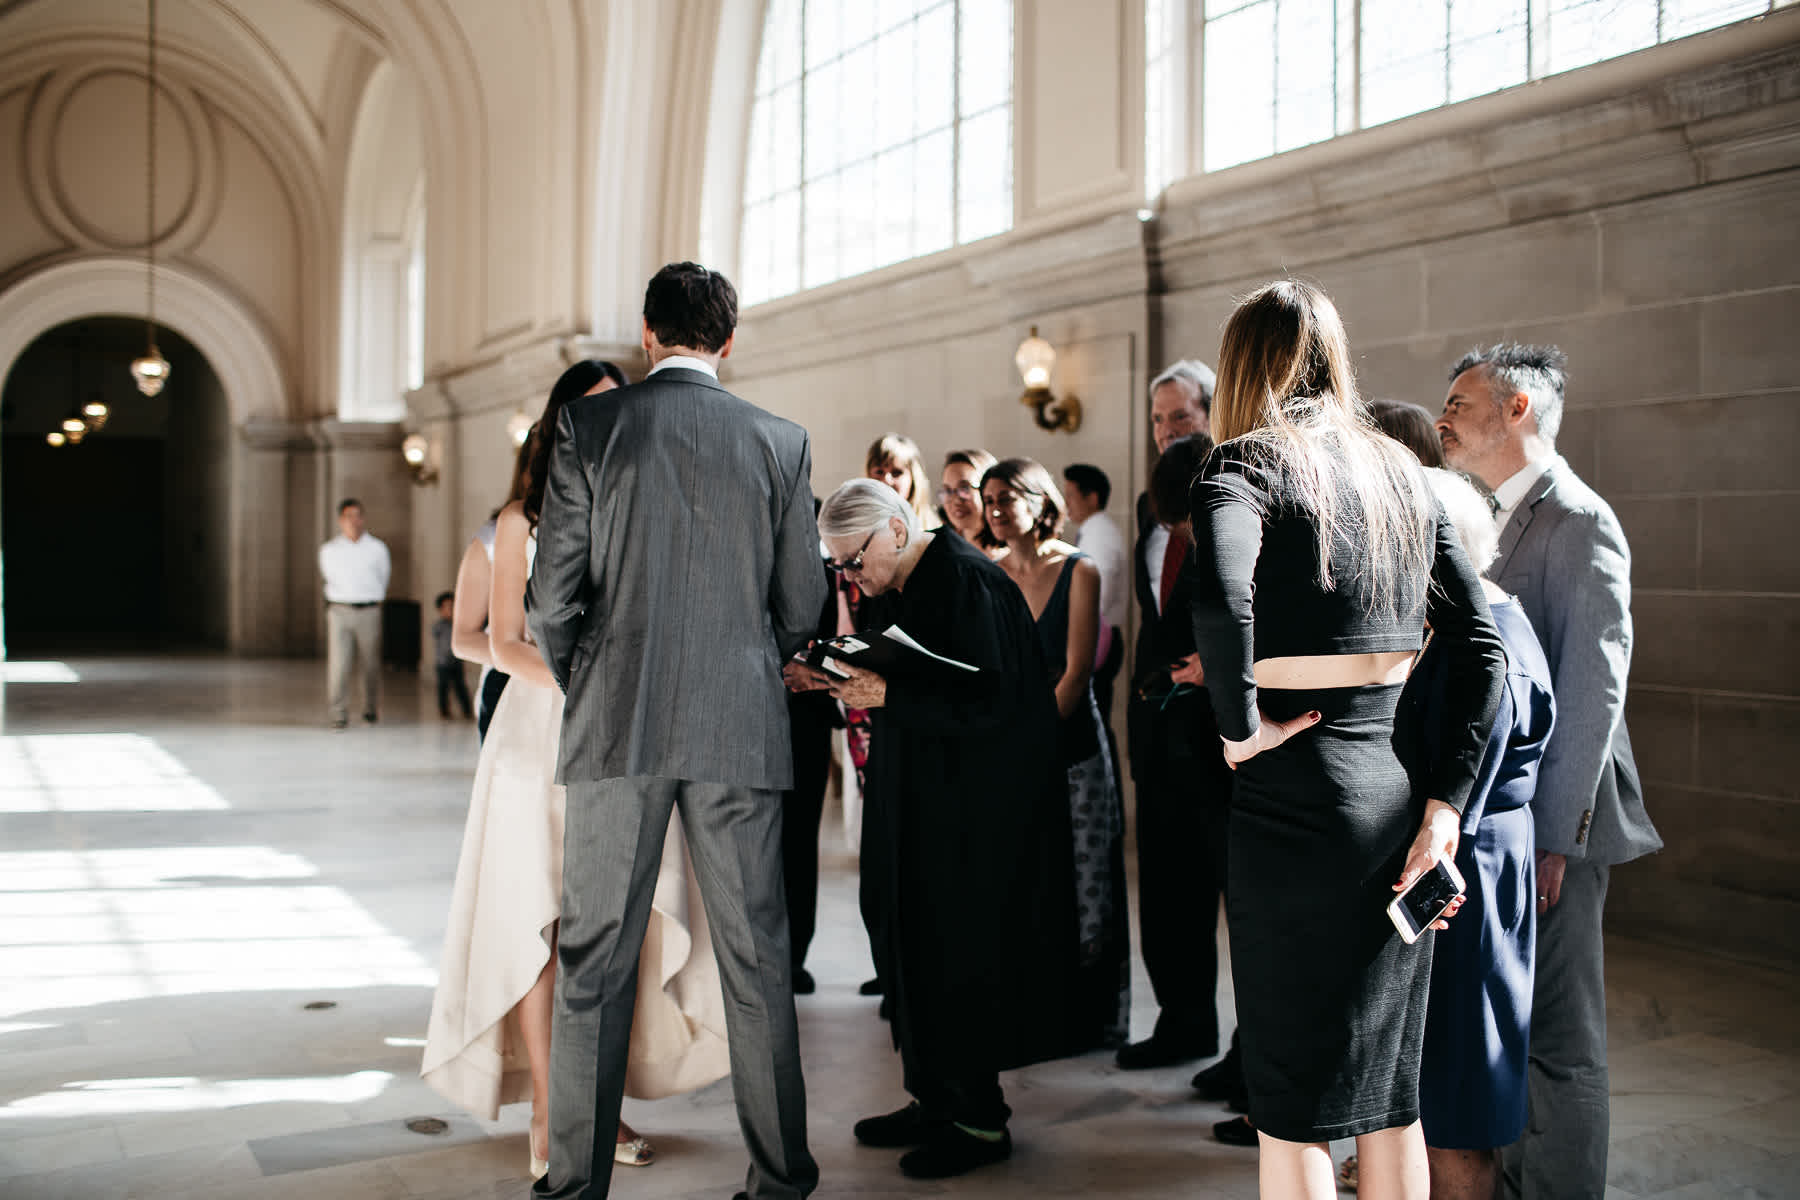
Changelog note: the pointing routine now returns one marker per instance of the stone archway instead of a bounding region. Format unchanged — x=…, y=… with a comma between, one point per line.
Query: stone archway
x=244, y=359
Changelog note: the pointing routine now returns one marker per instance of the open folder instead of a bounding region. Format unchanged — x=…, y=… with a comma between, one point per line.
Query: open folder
x=891, y=652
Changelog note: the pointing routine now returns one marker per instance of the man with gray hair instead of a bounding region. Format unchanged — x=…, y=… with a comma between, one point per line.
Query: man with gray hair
x=1563, y=554
x=1176, y=763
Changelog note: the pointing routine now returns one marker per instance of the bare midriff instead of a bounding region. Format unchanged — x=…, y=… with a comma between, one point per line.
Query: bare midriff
x=1306, y=671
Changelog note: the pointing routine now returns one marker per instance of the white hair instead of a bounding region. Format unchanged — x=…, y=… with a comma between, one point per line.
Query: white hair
x=1469, y=515
x=1190, y=373
x=863, y=506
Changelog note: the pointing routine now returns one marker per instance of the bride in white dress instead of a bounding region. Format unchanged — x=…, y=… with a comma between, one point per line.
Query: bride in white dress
x=488, y=1042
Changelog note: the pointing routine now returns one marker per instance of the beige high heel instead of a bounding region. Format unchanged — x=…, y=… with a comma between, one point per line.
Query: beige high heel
x=634, y=1153
x=539, y=1166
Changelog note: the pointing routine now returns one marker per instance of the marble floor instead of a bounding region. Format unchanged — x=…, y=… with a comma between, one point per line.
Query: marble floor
x=218, y=926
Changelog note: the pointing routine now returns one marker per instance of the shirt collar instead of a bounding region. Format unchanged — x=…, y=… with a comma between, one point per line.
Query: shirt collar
x=687, y=362
x=1513, y=490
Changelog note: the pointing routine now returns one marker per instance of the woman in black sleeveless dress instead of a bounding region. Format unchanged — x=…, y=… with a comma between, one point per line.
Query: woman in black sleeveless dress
x=1318, y=554
x=1024, y=513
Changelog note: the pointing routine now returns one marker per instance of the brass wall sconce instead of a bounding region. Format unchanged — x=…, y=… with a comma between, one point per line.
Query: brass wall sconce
x=1034, y=359
x=421, y=459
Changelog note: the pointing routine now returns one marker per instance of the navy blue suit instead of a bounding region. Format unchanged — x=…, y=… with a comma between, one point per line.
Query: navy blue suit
x=1472, y=1075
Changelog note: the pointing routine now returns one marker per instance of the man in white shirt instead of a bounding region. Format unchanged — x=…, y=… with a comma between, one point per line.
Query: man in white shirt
x=1087, y=495
x=356, y=567
x=1564, y=555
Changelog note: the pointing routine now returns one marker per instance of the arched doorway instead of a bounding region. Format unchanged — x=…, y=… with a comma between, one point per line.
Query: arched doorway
x=120, y=540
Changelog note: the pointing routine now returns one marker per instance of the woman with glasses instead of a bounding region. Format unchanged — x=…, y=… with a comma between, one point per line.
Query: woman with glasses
x=1024, y=512
x=977, y=891
x=1319, y=555
x=959, y=496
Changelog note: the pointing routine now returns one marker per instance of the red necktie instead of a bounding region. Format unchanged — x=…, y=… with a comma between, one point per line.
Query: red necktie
x=1173, y=557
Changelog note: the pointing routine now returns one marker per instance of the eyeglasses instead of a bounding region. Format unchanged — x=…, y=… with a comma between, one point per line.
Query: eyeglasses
x=855, y=561
x=962, y=491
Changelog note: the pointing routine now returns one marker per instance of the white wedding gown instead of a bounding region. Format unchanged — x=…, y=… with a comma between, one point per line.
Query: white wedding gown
x=508, y=893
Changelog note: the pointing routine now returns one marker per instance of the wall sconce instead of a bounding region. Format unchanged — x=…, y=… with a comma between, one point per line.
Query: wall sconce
x=417, y=451
x=518, y=427
x=1034, y=360
x=57, y=437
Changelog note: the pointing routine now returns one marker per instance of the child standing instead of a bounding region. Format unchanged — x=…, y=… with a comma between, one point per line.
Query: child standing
x=449, y=667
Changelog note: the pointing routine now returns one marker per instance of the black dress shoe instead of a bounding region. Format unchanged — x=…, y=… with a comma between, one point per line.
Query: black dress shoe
x=871, y=987
x=804, y=984
x=1160, y=1052
x=1223, y=1080
x=887, y=1008
x=1236, y=1132
x=370, y=718
x=952, y=1151
x=907, y=1126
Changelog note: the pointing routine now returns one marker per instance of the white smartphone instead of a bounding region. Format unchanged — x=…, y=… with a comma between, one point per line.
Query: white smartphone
x=1413, y=910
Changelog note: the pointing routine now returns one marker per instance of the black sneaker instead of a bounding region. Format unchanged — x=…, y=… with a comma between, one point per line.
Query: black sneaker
x=804, y=983
x=908, y=1126
x=871, y=987
x=369, y=718
x=954, y=1151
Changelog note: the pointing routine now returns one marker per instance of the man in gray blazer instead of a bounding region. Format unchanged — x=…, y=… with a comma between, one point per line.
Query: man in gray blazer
x=677, y=568
x=1563, y=554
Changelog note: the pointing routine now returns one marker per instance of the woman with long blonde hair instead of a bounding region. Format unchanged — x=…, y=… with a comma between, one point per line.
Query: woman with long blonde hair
x=1318, y=555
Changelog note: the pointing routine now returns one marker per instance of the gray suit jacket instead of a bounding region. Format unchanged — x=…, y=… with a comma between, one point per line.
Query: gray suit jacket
x=677, y=566
x=1563, y=554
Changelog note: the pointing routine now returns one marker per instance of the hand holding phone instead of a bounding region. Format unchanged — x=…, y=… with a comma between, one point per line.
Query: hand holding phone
x=1427, y=901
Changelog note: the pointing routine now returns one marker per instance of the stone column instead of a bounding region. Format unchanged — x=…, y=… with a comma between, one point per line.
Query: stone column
x=271, y=589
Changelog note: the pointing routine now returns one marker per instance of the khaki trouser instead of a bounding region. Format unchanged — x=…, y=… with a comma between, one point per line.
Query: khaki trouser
x=352, y=633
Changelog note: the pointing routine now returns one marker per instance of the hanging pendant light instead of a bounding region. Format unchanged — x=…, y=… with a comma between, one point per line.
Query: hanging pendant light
x=151, y=370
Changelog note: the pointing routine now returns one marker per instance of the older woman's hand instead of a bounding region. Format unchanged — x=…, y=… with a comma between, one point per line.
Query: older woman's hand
x=864, y=689
x=1269, y=734
x=1188, y=670
x=801, y=678
x=1439, y=835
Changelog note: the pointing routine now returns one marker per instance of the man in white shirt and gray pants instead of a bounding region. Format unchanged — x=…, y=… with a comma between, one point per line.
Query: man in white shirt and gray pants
x=356, y=567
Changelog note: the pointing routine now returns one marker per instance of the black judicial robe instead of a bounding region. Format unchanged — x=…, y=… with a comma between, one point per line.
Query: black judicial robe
x=970, y=795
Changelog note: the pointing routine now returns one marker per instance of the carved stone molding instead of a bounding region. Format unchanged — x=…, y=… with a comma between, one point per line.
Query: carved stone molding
x=361, y=435
x=261, y=433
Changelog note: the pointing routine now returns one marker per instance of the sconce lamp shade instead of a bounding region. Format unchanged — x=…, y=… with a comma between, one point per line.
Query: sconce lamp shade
x=518, y=427
x=414, y=449
x=1034, y=360
x=151, y=372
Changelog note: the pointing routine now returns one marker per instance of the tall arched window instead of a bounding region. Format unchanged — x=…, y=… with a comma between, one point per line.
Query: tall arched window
x=880, y=132
x=1264, y=76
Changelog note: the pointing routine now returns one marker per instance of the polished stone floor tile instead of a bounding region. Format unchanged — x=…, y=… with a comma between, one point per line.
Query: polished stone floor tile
x=189, y=859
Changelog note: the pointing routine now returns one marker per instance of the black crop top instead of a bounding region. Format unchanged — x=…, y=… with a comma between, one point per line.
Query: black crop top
x=1255, y=594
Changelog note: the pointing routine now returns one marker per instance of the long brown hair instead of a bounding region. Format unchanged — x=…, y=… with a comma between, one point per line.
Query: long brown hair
x=1287, y=394
x=903, y=452
x=572, y=384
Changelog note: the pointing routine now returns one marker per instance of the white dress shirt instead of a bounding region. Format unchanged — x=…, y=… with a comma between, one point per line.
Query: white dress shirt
x=688, y=361
x=1513, y=490
x=1100, y=538
x=1156, y=548
x=355, y=572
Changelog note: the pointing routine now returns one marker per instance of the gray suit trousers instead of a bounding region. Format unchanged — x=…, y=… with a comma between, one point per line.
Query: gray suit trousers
x=1563, y=1150
x=612, y=848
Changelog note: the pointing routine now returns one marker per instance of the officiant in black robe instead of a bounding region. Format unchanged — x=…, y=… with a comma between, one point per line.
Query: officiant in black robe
x=971, y=799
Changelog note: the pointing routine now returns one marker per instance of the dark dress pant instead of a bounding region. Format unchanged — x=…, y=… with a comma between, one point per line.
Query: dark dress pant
x=612, y=851
x=1563, y=1151
x=1182, y=817
x=803, y=805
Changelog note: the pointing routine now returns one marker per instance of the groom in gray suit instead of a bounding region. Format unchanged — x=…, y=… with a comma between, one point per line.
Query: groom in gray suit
x=677, y=568
x=1563, y=554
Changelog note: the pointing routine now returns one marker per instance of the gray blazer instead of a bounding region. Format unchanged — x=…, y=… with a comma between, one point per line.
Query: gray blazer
x=677, y=566
x=1563, y=554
